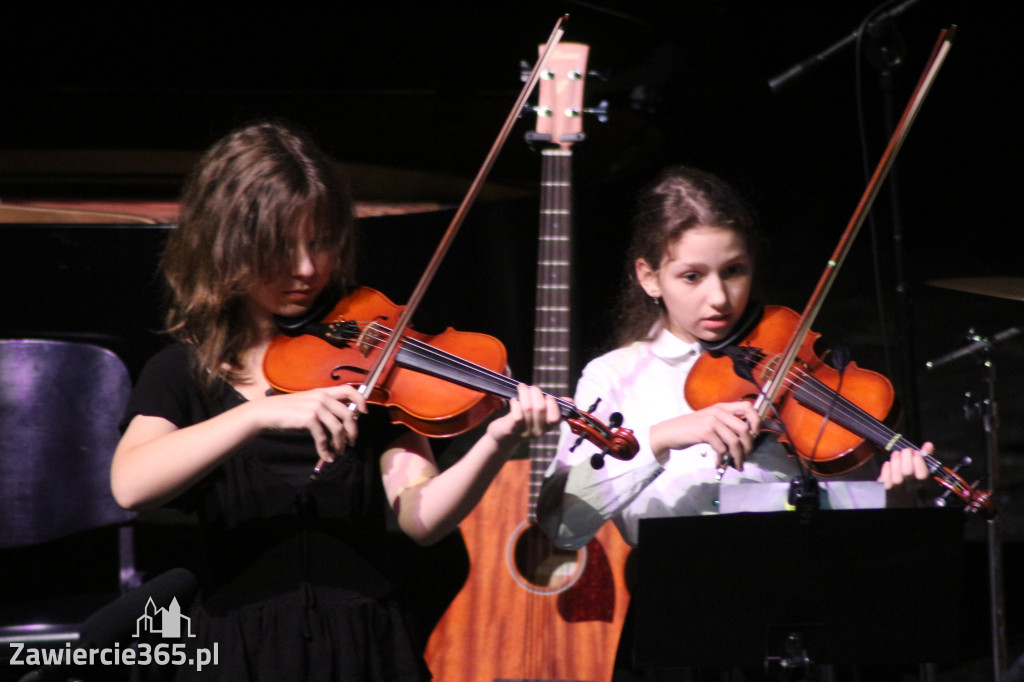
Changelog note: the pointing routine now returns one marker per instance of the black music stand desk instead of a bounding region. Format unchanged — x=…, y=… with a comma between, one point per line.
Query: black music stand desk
x=874, y=586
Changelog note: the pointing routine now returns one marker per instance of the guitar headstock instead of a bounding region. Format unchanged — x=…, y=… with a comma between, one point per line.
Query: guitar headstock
x=560, y=100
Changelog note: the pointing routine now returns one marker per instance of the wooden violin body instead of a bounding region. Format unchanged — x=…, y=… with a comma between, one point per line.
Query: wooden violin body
x=344, y=347
x=439, y=386
x=832, y=420
x=796, y=375
x=826, y=446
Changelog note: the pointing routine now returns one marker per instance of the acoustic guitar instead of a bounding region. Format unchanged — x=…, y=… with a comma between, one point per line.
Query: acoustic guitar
x=530, y=611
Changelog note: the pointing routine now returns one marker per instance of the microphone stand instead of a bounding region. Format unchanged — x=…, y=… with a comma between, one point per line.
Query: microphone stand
x=990, y=420
x=885, y=53
x=981, y=347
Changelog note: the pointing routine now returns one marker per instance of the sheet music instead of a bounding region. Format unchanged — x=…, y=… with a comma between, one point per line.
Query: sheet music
x=769, y=497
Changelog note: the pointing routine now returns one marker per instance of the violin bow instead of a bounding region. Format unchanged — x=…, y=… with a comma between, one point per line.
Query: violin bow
x=460, y=215
x=775, y=385
x=374, y=375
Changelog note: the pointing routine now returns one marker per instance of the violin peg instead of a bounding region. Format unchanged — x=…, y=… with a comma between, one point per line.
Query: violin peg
x=965, y=461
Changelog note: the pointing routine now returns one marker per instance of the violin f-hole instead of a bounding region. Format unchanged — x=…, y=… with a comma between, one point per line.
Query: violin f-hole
x=338, y=369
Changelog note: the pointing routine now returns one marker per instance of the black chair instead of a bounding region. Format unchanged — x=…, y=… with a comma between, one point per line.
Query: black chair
x=65, y=545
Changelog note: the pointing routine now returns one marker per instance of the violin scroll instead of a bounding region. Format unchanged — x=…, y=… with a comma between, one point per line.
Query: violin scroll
x=612, y=440
x=976, y=501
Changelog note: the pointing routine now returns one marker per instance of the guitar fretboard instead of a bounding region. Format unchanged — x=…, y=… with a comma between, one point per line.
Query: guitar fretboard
x=552, y=318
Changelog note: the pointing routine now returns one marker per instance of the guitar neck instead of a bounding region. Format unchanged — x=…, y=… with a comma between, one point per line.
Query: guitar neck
x=552, y=316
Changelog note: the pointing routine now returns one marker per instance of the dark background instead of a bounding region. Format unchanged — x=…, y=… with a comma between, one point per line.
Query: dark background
x=411, y=96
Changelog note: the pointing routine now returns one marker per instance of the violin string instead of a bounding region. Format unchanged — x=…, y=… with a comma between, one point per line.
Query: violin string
x=797, y=379
x=844, y=408
x=802, y=380
x=425, y=350
x=874, y=429
x=582, y=423
x=823, y=393
x=855, y=415
x=810, y=385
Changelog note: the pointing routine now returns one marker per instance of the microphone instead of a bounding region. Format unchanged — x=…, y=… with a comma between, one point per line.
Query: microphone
x=979, y=344
x=808, y=65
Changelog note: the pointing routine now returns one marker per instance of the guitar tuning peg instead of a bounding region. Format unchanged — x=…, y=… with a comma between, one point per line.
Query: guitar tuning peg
x=525, y=69
x=600, y=111
x=597, y=460
x=544, y=112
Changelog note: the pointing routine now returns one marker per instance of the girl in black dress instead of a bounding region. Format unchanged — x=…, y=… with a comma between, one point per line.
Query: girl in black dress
x=295, y=586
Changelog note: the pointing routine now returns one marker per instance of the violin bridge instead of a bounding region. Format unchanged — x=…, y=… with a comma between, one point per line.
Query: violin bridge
x=769, y=369
x=369, y=338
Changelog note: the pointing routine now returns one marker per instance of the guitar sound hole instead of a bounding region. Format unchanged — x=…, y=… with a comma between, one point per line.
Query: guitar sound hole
x=538, y=565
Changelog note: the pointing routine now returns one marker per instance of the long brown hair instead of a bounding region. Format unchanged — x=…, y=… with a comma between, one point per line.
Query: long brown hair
x=240, y=207
x=680, y=198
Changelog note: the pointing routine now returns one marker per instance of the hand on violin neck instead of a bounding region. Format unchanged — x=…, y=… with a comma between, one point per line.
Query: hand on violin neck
x=530, y=415
x=903, y=474
x=729, y=428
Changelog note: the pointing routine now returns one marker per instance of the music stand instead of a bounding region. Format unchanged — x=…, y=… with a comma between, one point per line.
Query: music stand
x=872, y=586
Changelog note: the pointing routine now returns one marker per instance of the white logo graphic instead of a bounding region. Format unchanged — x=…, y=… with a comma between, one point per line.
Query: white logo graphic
x=165, y=622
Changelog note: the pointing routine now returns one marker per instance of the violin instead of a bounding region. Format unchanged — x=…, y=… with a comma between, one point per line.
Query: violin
x=438, y=385
x=376, y=357
x=810, y=404
x=833, y=420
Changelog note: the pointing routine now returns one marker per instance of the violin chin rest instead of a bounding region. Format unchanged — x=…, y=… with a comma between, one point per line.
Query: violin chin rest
x=324, y=303
x=751, y=318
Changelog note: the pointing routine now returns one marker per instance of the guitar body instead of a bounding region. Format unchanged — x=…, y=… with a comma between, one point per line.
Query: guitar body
x=551, y=615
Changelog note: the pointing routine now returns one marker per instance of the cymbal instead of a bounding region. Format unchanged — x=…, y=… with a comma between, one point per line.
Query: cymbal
x=1000, y=287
